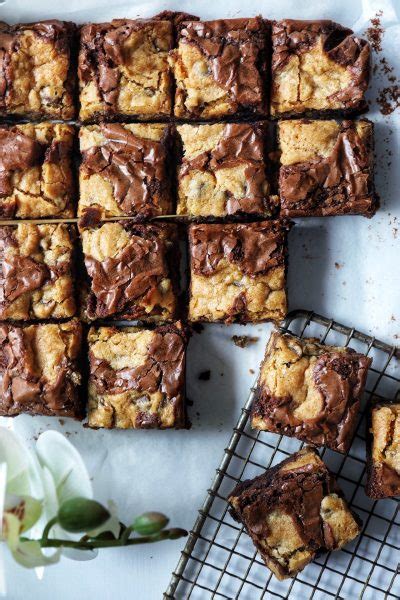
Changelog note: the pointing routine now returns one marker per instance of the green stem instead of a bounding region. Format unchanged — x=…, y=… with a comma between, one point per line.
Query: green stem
x=125, y=535
x=91, y=544
x=46, y=530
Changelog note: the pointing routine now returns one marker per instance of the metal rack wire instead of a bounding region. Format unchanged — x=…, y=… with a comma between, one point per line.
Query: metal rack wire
x=219, y=560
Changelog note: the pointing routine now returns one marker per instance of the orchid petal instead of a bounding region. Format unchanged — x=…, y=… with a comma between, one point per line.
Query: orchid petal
x=80, y=555
x=25, y=508
x=3, y=485
x=65, y=465
x=27, y=553
x=23, y=470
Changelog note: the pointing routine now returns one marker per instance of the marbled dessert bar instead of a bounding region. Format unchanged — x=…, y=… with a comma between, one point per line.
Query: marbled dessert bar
x=36, y=176
x=383, y=464
x=37, y=76
x=39, y=369
x=294, y=511
x=318, y=66
x=137, y=377
x=310, y=391
x=123, y=69
x=133, y=271
x=327, y=168
x=36, y=272
x=223, y=171
x=124, y=171
x=220, y=68
x=238, y=272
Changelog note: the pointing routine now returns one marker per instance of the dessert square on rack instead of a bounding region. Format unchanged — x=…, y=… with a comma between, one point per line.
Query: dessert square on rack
x=293, y=511
x=383, y=455
x=310, y=391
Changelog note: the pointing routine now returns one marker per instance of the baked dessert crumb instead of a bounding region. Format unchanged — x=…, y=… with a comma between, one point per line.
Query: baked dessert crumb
x=137, y=377
x=39, y=369
x=310, y=391
x=36, y=175
x=383, y=455
x=37, y=75
x=36, y=271
x=293, y=511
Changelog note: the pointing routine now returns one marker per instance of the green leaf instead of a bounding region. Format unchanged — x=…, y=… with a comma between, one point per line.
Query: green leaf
x=81, y=514
x=150, y=523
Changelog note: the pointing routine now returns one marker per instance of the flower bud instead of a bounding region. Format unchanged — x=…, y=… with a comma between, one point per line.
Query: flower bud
x=176, y=533
x=82, y=514
x=150, y=523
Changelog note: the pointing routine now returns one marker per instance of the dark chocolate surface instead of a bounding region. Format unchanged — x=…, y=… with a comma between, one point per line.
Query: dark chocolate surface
x=338, y=184
x=135, y=166
x=255, y=248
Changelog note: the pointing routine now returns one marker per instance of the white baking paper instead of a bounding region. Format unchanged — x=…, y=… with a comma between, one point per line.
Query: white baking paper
x=345, y=267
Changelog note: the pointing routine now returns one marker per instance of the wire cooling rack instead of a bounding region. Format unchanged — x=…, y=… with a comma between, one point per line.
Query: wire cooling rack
x=219, y=559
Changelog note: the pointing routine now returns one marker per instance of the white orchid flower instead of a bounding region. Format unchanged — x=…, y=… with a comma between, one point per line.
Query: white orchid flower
x=33, y=485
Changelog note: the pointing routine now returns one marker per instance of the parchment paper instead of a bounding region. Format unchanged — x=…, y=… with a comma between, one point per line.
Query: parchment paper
x=346, y=268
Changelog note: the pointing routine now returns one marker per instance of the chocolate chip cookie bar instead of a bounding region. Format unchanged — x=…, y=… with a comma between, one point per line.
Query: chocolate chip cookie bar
x=294, y=511
x=37, y=77
x=223, y=171
x=220, y=68
x=36, y=176
x=124, y=171
x=36, y=272
x=383, y=464
x=238, y=272
x=132, y=271
x=123, y=69
x=317, y=67
x=39, y=369
x=310, y=391
x=137, y=377
x=327, y=168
